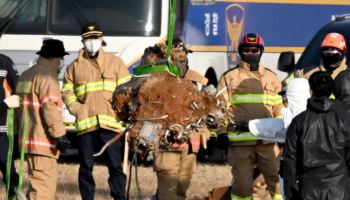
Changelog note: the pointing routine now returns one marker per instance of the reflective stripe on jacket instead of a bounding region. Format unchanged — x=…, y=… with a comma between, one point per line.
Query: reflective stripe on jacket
x=236, y=197
x=88, y=88
x=39, y=90
x=266, y=99
x=251, y=95
x=241, y=136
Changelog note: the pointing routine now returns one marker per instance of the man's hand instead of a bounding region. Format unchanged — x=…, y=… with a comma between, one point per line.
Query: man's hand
x=12, y=101
x=211, y=122
x=241, y=127
x=63, y=143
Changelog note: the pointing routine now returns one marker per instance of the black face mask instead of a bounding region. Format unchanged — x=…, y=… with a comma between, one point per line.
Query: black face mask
x=253, y=60
x=332, y=61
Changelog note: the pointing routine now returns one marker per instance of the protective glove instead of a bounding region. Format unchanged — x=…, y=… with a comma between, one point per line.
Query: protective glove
x=212, y=123
x=63, y=143
x=244, y=127
x=241, y=127
x=12, y=101
x=222, y=141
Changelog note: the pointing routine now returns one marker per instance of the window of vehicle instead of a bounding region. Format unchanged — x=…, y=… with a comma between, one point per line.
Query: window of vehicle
x=31, y=19
x=6, y=7
x=65, y=17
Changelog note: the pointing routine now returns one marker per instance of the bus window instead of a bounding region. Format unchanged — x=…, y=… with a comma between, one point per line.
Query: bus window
x=6, y=7
x=117, y=18
x=31, y=20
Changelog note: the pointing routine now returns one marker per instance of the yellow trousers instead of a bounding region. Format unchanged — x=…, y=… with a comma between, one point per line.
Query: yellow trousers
x=174, y=172
x=42, y=172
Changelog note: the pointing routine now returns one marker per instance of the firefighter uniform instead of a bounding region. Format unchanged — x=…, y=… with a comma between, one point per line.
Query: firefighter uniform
x=174, y=172
x=174, y=166
x=301, y=74
x=41, y=106
x=252, y=95
x=333, y=59
x=8, y=79
x=87, y=92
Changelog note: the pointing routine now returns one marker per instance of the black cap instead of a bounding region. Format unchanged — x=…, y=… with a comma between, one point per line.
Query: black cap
x=52, y=49
x=5, y=61
x=91, y=29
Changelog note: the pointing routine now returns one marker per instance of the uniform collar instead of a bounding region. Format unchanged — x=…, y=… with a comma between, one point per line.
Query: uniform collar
x=100, y=58
x=246, y=67
x=341, y=68
x=45, y=62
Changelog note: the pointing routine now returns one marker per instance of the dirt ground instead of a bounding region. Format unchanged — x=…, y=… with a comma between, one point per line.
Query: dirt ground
x=206, y=177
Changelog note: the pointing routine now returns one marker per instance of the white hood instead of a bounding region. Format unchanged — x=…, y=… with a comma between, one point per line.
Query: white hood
x=271, y=129
x=297, y=92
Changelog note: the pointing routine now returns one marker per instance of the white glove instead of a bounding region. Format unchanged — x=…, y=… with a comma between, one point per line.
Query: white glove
x=12, y=101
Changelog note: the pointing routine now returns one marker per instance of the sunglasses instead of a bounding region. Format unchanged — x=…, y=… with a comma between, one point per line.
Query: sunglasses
x=251, y=50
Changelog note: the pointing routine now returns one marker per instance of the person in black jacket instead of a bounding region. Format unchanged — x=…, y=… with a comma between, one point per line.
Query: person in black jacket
x=8, y=79
x=314, y=161
x=342, y=103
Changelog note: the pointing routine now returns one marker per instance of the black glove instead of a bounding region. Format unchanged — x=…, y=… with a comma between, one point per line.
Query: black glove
x=240, y=127
x=63, y=143
x=212, y=123
x=222, y=141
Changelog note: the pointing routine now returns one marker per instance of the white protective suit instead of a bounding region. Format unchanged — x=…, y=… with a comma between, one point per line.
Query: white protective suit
x=271, y=129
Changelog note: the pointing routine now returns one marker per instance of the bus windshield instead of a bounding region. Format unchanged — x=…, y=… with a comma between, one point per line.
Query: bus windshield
x=65, y=17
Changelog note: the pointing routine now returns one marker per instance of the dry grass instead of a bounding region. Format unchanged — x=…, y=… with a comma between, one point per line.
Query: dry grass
x=205, y=178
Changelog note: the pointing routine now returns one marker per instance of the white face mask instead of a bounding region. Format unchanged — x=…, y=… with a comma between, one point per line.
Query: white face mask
x=92, y=46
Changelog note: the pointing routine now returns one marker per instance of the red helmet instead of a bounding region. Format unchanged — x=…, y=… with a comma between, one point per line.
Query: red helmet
x=251, y=39
x=334, y=40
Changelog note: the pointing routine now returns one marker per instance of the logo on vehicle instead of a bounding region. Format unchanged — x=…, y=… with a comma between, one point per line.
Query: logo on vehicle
x=234, y=17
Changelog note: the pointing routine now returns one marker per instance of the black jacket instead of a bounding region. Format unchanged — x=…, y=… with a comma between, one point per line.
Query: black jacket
x=342, y=104
x=9, y=75
x=314, y=161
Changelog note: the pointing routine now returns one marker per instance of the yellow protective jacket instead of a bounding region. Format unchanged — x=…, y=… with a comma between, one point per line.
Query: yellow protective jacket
x=300, y=73
x=251, y=95
x=88, y=87
x=41, y=106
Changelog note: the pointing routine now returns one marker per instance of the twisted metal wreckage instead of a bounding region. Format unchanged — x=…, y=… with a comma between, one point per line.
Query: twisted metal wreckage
x=162, y=111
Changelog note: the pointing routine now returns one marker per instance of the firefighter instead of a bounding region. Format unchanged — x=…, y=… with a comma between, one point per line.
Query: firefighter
x=333, y=59
x=8, y=80
x=41, y=129
x=316, y=153
x=251, y=90
x=174, y=164
x=89, y=82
